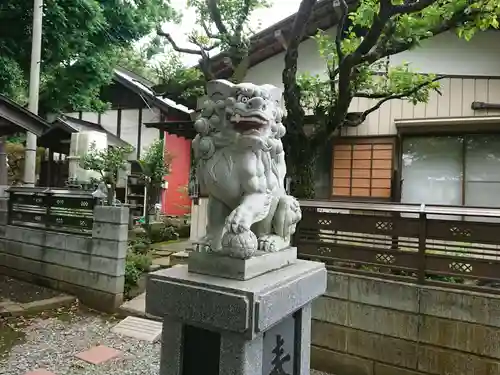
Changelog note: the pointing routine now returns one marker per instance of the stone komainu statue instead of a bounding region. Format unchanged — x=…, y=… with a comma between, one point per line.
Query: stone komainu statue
x=241, y=165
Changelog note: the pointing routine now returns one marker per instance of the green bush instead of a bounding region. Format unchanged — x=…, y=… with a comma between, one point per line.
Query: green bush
x=141, y=261
x=132, y=276
x=163, y=233
x=136, y=264
x=141, y=244
x=181, y=224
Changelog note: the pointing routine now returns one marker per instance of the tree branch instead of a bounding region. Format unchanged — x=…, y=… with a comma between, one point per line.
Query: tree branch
x=340, y=30
x=216, y=17
x=402, y=95
x=383, y=50
x=413, y=7
x=175, y=46
x=348, y=64
x=203, y=48
x=207, y=30
x=243, y=16
x=372, y=36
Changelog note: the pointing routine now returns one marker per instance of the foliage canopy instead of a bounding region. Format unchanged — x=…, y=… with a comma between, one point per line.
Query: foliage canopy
x=80, y=46
x=222, y=26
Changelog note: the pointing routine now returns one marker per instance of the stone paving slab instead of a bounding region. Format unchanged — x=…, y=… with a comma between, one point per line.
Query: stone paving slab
x=98, y=354
x=136, y=307
x=173, y=247
x=162, y=262
x=40, y=372
x=139, y=328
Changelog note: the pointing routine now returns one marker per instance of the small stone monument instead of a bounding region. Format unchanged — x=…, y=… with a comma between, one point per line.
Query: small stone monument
x=242, y=304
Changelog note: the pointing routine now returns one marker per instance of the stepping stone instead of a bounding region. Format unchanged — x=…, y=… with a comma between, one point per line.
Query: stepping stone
x=40, y=372
x=162, y=262
x=98, y=354
x=179, y=258
x=139, y=328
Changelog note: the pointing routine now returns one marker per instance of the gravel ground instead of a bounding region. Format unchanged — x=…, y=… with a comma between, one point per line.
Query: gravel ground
x=21, y=292
x=51, y=342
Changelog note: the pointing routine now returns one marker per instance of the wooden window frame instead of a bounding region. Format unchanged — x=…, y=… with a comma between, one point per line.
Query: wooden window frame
x=368, y=140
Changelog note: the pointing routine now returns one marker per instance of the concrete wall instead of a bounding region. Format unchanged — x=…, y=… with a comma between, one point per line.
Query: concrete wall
x=89, y=267
x=368, y=326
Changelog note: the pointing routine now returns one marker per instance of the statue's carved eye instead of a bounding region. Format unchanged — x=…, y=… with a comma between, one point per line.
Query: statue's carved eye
x=243, y=98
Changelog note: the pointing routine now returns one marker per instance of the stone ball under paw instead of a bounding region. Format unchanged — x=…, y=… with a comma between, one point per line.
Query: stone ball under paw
x=240, y=245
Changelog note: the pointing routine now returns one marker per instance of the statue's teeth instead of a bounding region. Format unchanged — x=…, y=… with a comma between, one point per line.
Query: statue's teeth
x=237, y=117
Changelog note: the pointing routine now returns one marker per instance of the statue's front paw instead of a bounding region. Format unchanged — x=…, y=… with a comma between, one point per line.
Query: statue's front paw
x=204, y=245
x=271, y=243
x=267, y=244
x=239, y=220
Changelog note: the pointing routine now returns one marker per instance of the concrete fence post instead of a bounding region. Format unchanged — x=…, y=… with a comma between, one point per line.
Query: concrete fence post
x=110, y=236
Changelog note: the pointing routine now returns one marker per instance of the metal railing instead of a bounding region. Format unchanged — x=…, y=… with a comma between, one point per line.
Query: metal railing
x=60, y=210
x=448, y=246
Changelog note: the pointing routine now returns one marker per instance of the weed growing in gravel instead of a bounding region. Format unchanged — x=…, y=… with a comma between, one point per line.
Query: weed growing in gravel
x=11, y=333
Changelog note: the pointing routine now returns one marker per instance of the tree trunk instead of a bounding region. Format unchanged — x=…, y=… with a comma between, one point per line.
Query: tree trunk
x=300, y=156
x=301, y=165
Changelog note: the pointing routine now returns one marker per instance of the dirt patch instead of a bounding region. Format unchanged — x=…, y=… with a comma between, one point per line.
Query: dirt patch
x=22, y=292
x=11, y=333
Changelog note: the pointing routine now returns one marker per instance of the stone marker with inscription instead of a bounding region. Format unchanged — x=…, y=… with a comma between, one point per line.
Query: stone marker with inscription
x=242, y=304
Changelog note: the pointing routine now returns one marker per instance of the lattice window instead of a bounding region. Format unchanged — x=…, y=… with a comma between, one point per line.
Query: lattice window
x=384, y=226
x=323, y=250
x=324, y=222
x=385, y=258
x=461, y=267
x=460, y=232
x=363, y=168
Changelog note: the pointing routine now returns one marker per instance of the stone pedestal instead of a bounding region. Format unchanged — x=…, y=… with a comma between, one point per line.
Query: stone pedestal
x=222, y=326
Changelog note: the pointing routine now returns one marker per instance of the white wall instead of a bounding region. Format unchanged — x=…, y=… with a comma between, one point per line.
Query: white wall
x=149, y=135
x=270, y=70
x=449, y=54
x=444, y=54
x=129, y=124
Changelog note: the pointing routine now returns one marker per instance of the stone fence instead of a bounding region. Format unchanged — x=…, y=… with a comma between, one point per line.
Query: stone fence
x=370, y=326
x=90, y=265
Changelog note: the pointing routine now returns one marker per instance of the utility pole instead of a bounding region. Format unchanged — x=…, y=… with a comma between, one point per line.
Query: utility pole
x=36, y=51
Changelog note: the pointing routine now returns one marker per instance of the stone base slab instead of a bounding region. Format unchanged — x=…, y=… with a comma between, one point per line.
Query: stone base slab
x=240, y=269
x=243, y=307
x=220, y=326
